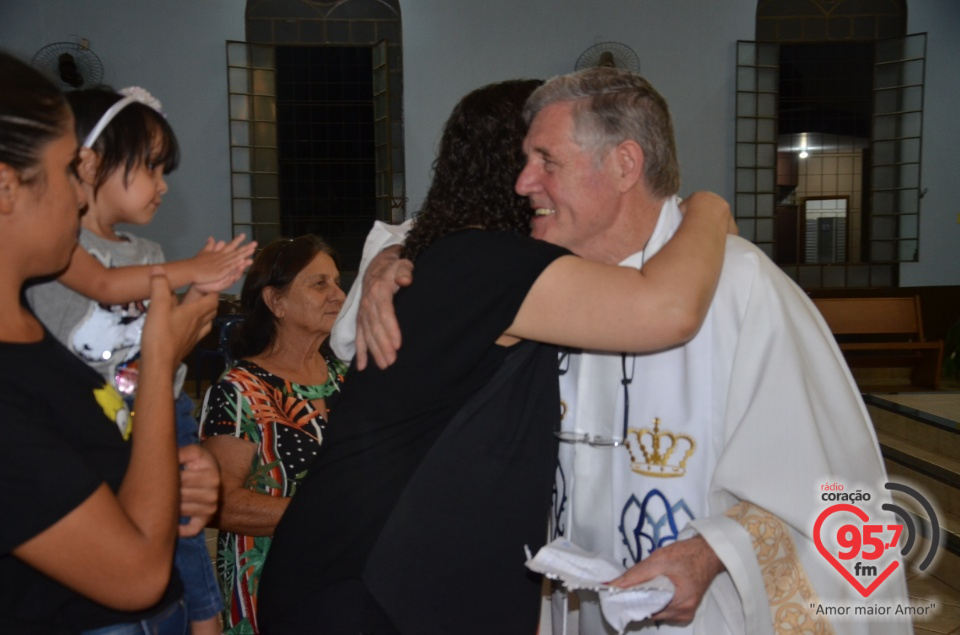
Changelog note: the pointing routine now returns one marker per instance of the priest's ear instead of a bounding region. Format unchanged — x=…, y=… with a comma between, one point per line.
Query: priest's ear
x=629, y=160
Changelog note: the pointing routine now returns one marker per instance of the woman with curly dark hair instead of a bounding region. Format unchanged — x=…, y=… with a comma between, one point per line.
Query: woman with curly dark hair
x=475, y=170
x=437, y=471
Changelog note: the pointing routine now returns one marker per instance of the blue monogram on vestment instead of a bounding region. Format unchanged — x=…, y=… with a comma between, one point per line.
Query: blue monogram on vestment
x=559, y=503
x=651, y=530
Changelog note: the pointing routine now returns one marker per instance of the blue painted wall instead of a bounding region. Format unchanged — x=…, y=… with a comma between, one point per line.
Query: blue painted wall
x=176, y=49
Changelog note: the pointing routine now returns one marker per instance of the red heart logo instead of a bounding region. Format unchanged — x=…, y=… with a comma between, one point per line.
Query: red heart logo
x=862, y=515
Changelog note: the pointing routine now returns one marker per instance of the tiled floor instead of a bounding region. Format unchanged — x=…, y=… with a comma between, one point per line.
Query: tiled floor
x=925, y=588
x=945, y=618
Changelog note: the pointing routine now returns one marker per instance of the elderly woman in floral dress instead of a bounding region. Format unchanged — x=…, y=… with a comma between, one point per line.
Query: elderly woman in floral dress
x=264, y=418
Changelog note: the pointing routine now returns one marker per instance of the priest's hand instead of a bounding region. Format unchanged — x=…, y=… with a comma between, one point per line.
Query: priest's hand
x=378, y=332
x=690, y=564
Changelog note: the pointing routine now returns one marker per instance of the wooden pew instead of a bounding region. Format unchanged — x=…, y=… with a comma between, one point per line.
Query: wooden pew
x=884, y=333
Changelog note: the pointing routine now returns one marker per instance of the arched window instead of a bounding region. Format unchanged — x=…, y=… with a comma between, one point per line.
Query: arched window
x=829, y=112
x=316, y=121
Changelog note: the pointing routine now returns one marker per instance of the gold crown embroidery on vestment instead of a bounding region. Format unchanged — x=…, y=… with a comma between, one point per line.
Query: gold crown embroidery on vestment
x=656, y=460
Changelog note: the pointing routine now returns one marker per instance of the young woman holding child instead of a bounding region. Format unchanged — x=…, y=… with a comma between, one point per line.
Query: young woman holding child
x=91, y=511
x=130, y=147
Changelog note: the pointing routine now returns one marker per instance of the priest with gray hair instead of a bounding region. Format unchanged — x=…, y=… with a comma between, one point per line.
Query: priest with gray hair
x=704, y=463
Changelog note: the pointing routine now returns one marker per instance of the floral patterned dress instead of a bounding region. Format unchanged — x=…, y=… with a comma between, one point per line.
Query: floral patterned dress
x=281, y=419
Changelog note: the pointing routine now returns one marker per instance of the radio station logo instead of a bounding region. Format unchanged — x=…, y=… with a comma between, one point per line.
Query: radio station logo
x=859, y=545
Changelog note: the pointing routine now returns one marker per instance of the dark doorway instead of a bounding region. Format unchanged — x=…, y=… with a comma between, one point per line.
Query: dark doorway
x=325, y=136
x=826, y=87
x=825, y=111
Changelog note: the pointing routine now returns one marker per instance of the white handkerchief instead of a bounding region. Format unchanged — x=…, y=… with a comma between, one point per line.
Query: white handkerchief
x=578, y=569
x=637, y=603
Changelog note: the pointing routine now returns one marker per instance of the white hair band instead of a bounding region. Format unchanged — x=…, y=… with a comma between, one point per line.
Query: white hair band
x=107, y=117
x=131, y=94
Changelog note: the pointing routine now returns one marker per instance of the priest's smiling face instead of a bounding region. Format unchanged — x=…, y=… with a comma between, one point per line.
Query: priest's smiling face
x=573, y=193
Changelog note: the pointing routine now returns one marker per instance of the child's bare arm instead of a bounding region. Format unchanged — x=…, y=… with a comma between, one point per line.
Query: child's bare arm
x=119, y=285
x=218, y=263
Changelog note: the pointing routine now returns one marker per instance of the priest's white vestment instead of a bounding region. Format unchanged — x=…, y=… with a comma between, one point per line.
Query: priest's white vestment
x=731, y=436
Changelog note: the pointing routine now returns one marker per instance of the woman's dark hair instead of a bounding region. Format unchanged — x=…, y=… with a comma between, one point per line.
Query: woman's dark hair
x=33, y=113
x=479, y=161
x=129, y=138
x=275, y=266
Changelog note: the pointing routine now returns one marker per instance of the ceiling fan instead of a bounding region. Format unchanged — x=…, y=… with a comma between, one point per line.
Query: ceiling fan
x=71, y=65
x=610, y=54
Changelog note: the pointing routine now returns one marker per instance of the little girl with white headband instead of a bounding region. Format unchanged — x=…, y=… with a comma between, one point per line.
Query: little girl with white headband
x=91, y=517
x=131, y=148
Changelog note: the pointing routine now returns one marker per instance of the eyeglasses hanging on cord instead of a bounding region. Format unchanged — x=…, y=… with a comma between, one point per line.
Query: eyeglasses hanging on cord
x=596, y=440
